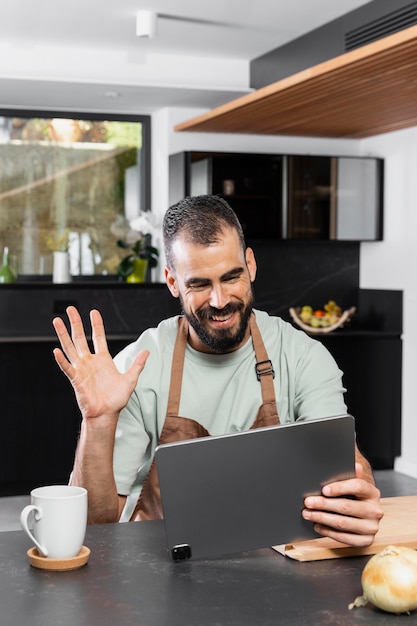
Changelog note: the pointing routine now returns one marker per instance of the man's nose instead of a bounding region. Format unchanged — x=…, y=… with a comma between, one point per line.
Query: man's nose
x=218, y=297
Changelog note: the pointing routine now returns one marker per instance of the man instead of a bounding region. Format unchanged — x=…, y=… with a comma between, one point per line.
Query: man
x=200, y=379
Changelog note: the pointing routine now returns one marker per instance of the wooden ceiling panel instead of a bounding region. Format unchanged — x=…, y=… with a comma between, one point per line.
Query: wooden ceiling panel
x=368, y=91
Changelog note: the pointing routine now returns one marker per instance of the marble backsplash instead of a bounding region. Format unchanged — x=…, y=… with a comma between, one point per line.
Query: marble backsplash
x=289, y=274
x=300, y=273
x=127, y=309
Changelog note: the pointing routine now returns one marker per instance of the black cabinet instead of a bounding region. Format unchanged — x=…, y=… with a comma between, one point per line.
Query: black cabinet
x=370, y=355
x=252, y=183
x=288, y=197
x=40, y=416
x=337, y=198
x=311, y=198
x=371, y=363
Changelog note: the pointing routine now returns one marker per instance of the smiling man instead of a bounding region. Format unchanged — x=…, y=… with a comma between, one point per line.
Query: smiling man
x=215, y=289
x=220, y=367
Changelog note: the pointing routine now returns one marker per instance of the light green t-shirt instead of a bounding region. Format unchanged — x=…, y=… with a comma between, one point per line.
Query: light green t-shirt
x=221, y=392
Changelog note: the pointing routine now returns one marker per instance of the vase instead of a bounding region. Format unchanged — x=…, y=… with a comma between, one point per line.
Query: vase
x=6, y=273
x=138, y=275
x=60, y=270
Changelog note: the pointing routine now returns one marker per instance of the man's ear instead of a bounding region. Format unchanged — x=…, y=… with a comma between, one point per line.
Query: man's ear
x=251, y=263
x=171, y=282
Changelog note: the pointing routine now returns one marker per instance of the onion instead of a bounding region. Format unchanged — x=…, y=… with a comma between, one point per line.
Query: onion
x=389, y=580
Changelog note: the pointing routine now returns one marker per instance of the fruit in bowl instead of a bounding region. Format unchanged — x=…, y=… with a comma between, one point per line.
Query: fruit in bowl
x=306, y=313
x=326, y=319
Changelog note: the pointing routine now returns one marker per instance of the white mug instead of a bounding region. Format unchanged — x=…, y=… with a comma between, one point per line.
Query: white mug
x=59, y=515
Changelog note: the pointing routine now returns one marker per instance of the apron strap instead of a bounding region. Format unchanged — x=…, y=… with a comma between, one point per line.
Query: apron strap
x=177, y=368
x=264, y=369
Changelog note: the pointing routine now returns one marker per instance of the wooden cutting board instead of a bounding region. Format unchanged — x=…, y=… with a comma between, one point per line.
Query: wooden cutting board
x=397, y=527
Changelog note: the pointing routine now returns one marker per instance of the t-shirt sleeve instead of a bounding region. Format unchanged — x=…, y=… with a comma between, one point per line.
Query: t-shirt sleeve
x=132, y=440
x=130, y=446
x=318, y=384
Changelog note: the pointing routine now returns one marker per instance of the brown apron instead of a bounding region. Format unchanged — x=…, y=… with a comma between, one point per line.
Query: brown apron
x=148, y=506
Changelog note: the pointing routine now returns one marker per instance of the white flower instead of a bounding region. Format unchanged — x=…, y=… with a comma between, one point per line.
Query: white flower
x=144, y=223
x=137, y=228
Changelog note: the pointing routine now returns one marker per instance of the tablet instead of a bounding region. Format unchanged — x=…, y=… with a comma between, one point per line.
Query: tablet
x=243, y=491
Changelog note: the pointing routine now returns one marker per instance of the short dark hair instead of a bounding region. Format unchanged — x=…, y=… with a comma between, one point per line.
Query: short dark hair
x=202, y=219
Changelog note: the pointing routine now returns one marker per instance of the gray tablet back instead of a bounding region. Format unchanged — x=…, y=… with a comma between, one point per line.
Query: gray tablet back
x=245, y=491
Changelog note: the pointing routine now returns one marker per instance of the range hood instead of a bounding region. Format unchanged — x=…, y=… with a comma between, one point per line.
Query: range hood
x=364, y=92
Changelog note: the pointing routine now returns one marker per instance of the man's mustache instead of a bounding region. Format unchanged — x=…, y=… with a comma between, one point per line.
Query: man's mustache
x=209, y=311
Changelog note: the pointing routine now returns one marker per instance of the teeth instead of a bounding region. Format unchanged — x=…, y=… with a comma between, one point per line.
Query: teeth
x=220, y=318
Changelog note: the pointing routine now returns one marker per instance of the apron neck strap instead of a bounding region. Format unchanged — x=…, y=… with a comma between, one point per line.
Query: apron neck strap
x=177, y=367
x=263, y=369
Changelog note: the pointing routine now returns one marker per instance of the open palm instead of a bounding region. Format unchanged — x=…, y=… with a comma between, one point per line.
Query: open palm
x=99, y=387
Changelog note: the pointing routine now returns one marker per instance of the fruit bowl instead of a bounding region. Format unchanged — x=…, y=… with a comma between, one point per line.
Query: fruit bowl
x=333, y=325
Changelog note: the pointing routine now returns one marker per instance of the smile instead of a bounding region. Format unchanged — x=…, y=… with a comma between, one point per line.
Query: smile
x=221, y=318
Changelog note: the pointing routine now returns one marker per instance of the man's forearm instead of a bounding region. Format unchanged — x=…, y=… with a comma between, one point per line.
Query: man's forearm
x=93, y=469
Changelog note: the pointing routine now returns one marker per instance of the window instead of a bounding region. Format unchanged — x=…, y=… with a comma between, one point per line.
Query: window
x=63, y=183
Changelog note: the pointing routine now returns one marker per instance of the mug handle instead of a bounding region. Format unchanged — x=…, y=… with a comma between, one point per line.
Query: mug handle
x=24, y=516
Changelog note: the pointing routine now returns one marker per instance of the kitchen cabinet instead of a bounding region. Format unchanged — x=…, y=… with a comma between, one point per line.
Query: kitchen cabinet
x=288, y=197
x=370, y=356
x=336, y=198
x=311, y=197
x=251, y=183
x=41, y=419
x=371, y=363
x=41, y=416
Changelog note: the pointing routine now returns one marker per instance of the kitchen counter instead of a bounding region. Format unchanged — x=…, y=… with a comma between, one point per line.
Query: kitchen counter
x=130, y=580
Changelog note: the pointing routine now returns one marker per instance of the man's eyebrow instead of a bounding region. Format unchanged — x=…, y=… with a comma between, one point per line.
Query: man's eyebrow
x=231, y=273
x=196, y=280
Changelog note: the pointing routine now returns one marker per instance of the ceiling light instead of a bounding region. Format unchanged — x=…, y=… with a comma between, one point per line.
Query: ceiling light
x=146, y=23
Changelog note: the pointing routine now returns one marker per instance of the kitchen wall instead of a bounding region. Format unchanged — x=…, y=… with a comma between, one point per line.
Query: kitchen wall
x=383, y=265
x=391, y=264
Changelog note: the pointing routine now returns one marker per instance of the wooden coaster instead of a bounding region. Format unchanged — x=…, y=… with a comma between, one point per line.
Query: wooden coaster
x=62, y=565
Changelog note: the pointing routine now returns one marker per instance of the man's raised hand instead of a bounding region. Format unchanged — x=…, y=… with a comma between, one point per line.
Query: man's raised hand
x=100, y=389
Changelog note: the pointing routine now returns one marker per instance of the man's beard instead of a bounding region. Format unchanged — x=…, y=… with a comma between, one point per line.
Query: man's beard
x=221, y=340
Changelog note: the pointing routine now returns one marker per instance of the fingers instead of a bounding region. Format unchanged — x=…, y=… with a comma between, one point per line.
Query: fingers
x=350, y=529
x=64, y=339
x=132, y=374
x=63, y=364
x=345, y=513
x=360, y=501
x=347, y=536
x=141, y=359
x=77, y=345
x=98, y=332
x=357, y=487
x=77, y=331
x=359, y=470
x=348, y=511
